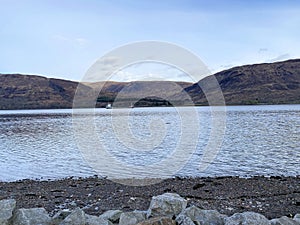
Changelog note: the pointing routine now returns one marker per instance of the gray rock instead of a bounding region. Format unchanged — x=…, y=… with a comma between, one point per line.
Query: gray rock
x=130, y=218
x=77, y=217
x=34, y=216
x=247, y=218
x=7, y=207
x=297, y=218
x=168, y=204
x=95, y=220
x=204, y=217
x=184, y=220
x=158, y=221
x=111, y=215
x=60, y=216
x=283, y=221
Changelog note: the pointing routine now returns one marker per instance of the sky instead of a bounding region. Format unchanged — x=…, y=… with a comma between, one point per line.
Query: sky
x=64, y=38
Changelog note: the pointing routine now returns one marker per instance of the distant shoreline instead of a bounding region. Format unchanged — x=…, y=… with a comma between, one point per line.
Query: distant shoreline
x=196, y=105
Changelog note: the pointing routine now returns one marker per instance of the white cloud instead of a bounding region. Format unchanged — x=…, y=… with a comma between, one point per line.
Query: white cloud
x=60, y=37
x=81, y=41
x=147, y=71
x=280, y=58
x=263, y=50
x=78, y=41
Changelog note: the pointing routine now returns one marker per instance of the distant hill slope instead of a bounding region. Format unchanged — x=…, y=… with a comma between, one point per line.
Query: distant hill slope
x=139, y=93
x=35, y=92
x=268, y=83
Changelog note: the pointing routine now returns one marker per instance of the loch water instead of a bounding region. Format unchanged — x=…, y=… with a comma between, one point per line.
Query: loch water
x=257, y=140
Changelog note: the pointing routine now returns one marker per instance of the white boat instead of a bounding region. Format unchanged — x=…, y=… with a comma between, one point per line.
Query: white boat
x=108, y=106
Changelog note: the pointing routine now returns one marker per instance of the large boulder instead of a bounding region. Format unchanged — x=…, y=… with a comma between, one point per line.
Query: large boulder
x=95, y=220
x=158, y=221
x=247, y=218
x=60, y=216
x=184, y=220
x=284, y=221
x=297, y=218
x=77, y=217
x=168, y=204
x=34, y=216
x=204, y=217
x=7, y=207
x=131, y=218
x=111, y=215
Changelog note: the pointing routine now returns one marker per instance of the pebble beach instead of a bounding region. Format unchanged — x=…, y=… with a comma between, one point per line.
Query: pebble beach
x=272, y=197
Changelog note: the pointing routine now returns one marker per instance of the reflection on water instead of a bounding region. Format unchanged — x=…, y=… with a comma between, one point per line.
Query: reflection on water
x=259, y=140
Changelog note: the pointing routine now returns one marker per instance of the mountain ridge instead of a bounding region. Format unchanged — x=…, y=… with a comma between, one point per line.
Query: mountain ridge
x=265, y=83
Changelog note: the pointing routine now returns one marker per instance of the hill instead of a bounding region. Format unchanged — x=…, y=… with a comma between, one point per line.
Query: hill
x=139, y=93
x=268, y=83
x=35, y=92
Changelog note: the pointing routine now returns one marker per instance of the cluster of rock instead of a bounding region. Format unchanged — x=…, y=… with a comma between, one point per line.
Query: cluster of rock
x=166, y=209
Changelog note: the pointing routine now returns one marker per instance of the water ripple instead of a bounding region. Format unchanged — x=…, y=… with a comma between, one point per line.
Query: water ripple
x=259, y=140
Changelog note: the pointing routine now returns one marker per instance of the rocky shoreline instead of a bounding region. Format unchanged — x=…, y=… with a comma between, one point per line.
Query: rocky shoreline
x=271, y=197
x=165, y=209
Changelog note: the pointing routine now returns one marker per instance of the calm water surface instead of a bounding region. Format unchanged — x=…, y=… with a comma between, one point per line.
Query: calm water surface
x=259, y=140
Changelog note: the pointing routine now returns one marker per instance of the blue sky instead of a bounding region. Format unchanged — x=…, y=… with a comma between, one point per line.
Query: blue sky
x=63, y=38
